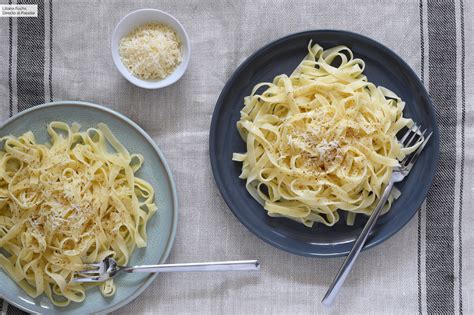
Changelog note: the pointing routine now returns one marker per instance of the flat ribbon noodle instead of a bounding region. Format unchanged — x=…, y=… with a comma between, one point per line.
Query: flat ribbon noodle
x=64, y=204
x=321, y=140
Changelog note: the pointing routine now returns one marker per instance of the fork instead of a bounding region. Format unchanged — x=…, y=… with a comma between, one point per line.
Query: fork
x=412, y=137
x=109, y=268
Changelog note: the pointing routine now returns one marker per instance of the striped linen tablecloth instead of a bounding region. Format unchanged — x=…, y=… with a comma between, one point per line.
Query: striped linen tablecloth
x=64, y=54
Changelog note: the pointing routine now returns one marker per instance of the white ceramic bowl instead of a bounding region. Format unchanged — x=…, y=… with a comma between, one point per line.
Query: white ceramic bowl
x=136, y=18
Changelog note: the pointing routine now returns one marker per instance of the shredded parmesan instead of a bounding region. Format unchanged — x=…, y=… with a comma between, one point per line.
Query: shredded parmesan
x=151, y=51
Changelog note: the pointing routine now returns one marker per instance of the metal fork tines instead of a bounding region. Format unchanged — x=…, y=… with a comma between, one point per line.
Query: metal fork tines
x=108, y=268
x=413, y=137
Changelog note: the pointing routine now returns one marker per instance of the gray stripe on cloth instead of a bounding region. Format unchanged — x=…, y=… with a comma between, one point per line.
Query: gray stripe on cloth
x=463, y=121
x=11, y=310
x=10, y=62
x=50, y=76
x=440, y=200
x=31, y=58
x=418, y=243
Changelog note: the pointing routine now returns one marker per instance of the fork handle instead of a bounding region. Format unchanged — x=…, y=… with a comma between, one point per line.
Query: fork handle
x=355, y=251
x=240, y=265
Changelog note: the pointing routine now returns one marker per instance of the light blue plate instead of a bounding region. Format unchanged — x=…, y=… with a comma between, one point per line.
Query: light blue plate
x=161, y=228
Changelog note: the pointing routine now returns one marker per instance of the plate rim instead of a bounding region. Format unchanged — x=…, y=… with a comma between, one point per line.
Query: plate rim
x=220, y=104
x=172, y=236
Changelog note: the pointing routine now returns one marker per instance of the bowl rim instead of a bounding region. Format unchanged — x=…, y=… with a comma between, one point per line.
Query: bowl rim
x=145, y=84
x=219, y=105
x=172, y=236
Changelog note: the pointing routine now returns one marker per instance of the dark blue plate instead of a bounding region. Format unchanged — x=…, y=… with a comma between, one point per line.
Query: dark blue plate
x=383, y=67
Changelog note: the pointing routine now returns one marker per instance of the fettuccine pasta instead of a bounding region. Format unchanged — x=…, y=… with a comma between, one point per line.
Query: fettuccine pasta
x=73, y=201
x=322, y=140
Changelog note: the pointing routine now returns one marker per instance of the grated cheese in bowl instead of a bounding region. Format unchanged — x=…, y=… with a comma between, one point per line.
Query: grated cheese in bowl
x=151, y=51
